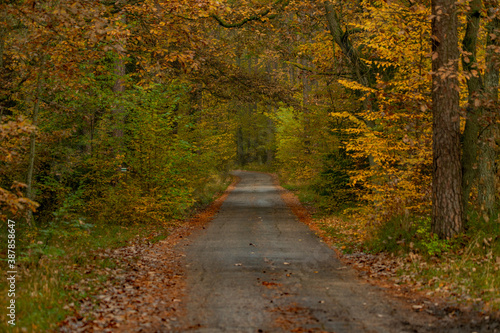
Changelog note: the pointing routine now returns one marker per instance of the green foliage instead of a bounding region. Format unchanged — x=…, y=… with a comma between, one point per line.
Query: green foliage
x=310, y=154
x=53, y=262
x=139, y=121
x=303, y=142
x=483, y=233
x=407, y=234
x=294, y=160
x=464, y=269
x=430, y=244
x=160, y=164
x=255, y=138
x=332, y=184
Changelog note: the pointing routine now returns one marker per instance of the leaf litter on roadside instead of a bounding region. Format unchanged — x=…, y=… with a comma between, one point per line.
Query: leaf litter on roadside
x=144, y=288
x=140, y=293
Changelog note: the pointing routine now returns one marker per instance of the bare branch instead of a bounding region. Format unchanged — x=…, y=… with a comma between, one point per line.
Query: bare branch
x=279, y=4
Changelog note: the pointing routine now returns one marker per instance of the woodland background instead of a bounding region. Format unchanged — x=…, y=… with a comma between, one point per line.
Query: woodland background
x=120, y=117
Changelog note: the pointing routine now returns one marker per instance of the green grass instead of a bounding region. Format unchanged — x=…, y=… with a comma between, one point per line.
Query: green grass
x=464, y=277
x=465, y=269
x=211, y=190
x=47, y=271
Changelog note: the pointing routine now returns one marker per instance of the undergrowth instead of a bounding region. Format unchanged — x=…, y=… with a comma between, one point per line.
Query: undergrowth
x=53, y=259
x=465, y=269
x=48, y=267
x=258, y=167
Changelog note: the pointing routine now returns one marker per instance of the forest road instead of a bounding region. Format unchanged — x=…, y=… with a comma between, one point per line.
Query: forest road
x=256, y=268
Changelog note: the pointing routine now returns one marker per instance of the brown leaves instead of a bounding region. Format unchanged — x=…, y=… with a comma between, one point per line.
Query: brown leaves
x=379, y=265
x=144, y=291
x=141, y=293
x=14, y=136
x=270, y=284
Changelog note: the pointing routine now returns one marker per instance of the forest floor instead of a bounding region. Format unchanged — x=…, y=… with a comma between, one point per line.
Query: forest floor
x=256, y=268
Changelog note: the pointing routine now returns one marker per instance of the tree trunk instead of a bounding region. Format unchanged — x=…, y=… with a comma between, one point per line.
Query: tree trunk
x=3, y=36
x=270, y=138
x=31, y=162
x=240, y=148
x=487, y=152
x=118, y=89
x=362, y=73
x=447, y=210
x=305, y=86
x=475, y=88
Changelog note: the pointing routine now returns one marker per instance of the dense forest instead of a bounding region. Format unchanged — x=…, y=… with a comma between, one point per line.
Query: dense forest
x=127, y=113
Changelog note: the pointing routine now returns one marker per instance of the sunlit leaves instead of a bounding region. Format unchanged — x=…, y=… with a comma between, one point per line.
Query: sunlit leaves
x=394, y=39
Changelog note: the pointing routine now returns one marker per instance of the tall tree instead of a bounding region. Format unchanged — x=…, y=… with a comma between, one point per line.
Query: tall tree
x=487, y=152
x=362, y=73
x=475, y=88
x=478, y=158
x=447, y=208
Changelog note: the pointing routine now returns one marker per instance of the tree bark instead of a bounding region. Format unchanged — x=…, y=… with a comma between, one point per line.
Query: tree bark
x=447, y=210
x=487, y=149
x=270, y=138
x=3, y=36
x=2, y=47
x=361, y=71
x=475, y=89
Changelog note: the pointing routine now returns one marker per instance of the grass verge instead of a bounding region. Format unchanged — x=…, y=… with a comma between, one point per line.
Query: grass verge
x=62, y=265
x=46, y=273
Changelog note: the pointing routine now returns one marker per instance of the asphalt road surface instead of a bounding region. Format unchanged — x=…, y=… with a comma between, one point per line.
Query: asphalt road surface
x=256, y=268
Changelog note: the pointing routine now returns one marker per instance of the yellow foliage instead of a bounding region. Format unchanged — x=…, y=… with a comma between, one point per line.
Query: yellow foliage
x=398, y=143
x=302, y=140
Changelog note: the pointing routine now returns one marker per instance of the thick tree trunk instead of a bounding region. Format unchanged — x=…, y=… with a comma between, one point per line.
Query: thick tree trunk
x=475, y=88
x=447, y=211
x=487, y=150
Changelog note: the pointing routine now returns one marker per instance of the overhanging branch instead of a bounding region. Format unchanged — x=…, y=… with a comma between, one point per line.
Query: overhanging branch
x=308, y=69
x=279, y=4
